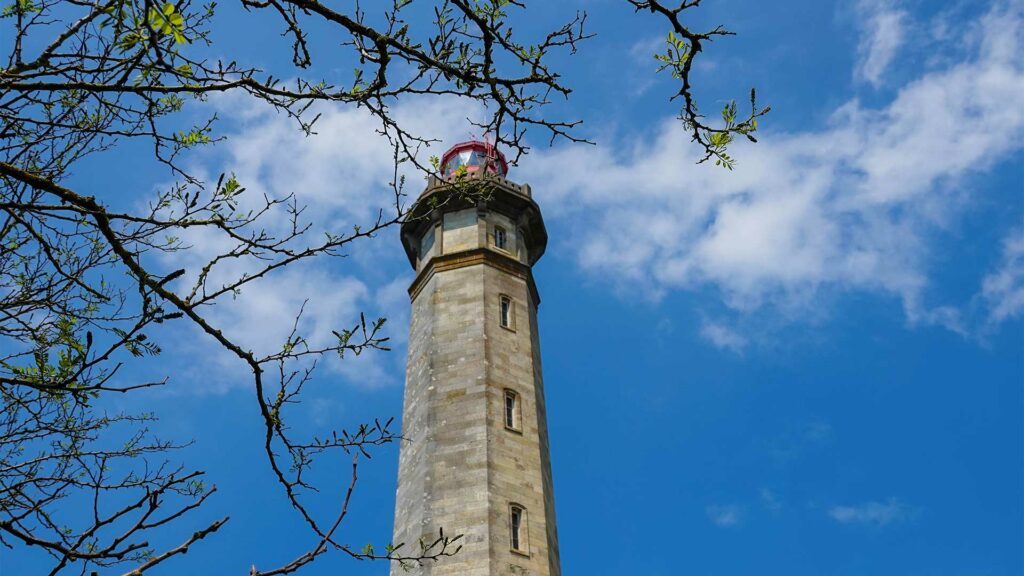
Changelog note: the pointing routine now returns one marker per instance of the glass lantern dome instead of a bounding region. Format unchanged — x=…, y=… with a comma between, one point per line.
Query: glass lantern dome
x=476, y=157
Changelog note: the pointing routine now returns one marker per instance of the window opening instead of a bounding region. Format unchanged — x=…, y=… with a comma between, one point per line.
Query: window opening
x=517, y=519
x=506, y=312
x=500, y=238
x=511, y=410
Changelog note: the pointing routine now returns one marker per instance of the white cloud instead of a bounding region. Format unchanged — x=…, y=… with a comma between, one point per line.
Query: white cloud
x=877, y=513
x=721, y=336
x=261, y=317
x=343, y=170
x=883, y=28
x=341, y=176
x=1003, y=288
x=850, y=207
x=724, y=516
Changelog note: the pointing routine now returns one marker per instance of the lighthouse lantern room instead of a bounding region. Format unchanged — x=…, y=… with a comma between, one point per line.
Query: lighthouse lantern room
x=476, y=157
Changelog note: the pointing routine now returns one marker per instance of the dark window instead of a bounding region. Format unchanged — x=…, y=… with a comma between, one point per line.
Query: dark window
x=517, y=520
x=500, y=238
x=506, y=312
x=511, y=410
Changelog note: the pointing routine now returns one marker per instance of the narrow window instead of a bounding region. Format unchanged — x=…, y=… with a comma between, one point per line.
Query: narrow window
x=511, y=410
x=507, y=313
x=500, y=238
x=517, y=525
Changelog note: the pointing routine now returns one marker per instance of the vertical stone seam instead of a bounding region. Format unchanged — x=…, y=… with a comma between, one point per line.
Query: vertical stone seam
x=488, y=418
x=428, y=480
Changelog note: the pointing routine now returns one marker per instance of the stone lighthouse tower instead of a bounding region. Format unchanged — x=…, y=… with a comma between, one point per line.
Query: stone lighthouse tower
x=477, y=460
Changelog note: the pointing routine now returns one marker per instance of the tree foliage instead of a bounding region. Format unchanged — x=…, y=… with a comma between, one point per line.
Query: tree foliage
x=82, y=287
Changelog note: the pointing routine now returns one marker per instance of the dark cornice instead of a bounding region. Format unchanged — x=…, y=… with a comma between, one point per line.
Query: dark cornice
x=474, y=257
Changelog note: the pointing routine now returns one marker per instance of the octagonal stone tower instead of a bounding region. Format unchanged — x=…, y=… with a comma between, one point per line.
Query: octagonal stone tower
x=477, y=460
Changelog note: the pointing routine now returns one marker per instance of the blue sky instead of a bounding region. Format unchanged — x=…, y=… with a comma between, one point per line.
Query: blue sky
x=810, y=366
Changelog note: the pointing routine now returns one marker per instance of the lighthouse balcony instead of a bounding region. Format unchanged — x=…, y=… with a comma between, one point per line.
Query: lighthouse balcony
x=434, y=183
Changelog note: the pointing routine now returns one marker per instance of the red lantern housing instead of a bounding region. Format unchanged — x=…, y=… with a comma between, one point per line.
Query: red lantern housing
x=476, y=157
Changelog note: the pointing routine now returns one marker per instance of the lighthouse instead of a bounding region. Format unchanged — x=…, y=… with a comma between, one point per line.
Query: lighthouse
x=476, y=459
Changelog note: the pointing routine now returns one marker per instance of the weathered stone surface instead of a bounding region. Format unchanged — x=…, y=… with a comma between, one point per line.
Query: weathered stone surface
x=462, y=468
x=460, y=230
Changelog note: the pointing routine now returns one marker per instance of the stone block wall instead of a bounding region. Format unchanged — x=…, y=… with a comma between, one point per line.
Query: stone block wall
x=461, y=467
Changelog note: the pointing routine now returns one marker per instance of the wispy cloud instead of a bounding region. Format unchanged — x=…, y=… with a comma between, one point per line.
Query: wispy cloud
x=851, y=207
x=642, y=73
x=724, y=516
x=818, y=432
x=883, y=28
x=723, y=337
x=1003, y=288
x=876, y=513
x=799, y=442
x=770, y=500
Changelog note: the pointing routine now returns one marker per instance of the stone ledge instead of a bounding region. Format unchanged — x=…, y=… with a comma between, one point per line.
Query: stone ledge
x=474, y=257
